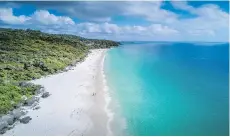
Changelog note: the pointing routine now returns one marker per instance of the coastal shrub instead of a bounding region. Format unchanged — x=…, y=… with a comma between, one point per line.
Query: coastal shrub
x=10, y=95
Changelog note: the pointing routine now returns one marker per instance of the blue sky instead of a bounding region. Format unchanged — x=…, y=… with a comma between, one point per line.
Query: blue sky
x=123, y=20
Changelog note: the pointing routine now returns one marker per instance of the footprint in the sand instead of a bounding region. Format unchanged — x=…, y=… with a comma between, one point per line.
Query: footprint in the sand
x=94, y=94
x=75, y=114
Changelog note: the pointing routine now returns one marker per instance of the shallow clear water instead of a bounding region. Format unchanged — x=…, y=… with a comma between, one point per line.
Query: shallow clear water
x=170, y=88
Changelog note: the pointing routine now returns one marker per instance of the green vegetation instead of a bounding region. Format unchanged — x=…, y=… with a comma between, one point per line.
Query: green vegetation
x=28, y=54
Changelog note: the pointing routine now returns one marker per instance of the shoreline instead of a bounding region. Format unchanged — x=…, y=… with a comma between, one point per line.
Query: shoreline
x=78, y=103
x=107, y=97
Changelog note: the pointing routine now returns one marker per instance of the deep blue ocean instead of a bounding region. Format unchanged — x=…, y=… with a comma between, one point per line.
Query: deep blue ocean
x=166, y=88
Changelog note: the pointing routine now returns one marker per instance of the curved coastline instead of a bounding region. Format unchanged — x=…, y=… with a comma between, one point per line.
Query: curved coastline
x=116, y=123
x=107, y=97
x=78, y=104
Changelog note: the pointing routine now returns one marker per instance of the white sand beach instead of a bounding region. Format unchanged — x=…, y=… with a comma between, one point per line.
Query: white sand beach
x=77, y=105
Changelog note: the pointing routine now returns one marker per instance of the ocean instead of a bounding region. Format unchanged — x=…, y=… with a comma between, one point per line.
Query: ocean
x=170, y=88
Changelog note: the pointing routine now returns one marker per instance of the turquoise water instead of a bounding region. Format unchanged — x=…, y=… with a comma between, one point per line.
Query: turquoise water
x=170, y=88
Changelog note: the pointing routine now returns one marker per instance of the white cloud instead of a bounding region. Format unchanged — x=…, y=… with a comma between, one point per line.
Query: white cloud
x=209, y=11
x=39, y=17
x=109, y=28
x=214, y=15
x=44, y=17
x=150, y=10
x=85, y=28
x=182, y=5
x=210, y=22
x=6, y=16
x=160, y=29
